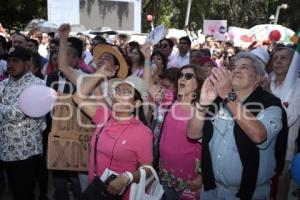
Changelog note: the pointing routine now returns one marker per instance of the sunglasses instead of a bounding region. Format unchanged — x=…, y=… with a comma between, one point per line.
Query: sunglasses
x=187, y=76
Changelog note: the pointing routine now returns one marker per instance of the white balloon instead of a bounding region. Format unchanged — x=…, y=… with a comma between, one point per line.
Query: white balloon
x=37, y=100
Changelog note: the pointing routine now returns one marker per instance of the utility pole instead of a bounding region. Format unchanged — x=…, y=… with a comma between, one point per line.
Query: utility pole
x=187, y=16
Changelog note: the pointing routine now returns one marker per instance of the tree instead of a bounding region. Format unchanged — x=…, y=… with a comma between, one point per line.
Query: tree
x=240, y=13
x=15, y=14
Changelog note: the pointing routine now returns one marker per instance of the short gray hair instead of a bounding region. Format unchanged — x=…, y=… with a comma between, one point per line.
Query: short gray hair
x=290, y=51
x=256, y=63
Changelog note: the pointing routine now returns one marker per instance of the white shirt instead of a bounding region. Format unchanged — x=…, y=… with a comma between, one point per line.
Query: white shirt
x=178, y=61
x=43, y=50
x=293, y=114
x=138, y=72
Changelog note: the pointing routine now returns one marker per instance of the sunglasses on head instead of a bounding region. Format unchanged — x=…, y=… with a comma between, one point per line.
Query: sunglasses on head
x=187, y=76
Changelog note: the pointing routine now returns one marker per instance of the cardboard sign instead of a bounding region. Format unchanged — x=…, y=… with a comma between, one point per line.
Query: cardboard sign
x=216, y=28
x=68, y=142
x=156, y=35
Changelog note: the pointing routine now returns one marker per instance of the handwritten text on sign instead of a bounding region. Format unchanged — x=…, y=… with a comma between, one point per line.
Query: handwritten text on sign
x=156, y=35
x=68, y=144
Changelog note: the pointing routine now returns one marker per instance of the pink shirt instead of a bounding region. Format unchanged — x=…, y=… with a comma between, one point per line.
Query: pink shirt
x=177, y=152
x=122, y=145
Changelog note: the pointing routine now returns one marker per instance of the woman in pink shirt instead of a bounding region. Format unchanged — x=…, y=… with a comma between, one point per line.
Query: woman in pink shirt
x=179, y=162
x=123, y=141
x=179, y=156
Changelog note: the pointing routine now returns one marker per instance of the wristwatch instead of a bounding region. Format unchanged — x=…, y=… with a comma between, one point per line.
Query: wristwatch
x=230, y=97
x=201, y=108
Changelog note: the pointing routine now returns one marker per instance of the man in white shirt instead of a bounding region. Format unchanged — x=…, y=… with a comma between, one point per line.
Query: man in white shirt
x=182, y=57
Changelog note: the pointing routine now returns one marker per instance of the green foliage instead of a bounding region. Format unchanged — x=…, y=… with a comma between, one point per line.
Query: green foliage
x=240, y=13
x=15, y=14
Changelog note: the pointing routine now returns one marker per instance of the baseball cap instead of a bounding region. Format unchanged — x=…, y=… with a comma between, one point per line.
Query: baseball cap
x=136, y=83
x=19, y=52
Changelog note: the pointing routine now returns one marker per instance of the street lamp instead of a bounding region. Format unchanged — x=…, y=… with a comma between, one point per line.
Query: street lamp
x=283, y=6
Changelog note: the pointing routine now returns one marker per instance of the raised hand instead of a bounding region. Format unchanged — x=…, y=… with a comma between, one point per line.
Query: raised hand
x=221, y=79
x=208, y=93
x=64, y=30
x=146, y=50
x=106, y=70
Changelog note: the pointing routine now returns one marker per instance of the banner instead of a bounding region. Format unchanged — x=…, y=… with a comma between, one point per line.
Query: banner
x=216, y=28
x=69, y=139
x=239, y=36
x=156, y=34
x=262, y=32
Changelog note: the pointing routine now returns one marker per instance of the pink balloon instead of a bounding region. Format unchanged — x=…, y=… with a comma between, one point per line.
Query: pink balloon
x=37, y=100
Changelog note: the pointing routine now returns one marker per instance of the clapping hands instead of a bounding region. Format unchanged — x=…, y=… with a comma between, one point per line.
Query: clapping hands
x=217, y=84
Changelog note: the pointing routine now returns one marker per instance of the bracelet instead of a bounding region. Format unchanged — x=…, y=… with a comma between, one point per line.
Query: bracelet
x=130, y=177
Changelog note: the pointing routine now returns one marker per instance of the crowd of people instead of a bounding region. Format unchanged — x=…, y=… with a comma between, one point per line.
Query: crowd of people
x=208, y=118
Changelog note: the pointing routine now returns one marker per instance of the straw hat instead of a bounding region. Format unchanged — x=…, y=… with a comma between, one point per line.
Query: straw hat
x=102, y=48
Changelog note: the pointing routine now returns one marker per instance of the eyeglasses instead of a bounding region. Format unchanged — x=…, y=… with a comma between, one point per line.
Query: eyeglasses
x=123, y=91
x=187, y=76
